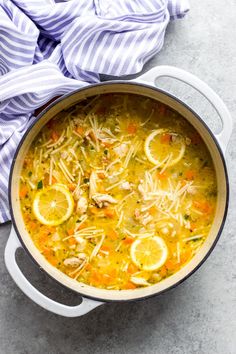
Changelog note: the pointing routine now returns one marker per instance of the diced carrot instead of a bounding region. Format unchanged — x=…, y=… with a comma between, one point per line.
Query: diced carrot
x=113, y=273
x=112, y=234
x=152, y=210
x=132, y=268
x=70, y=232
x=163, y=271
x=165, y=138
x=32, y=225
x=192, y=226
x=88, y=266
x=132, y=128
x=163, y=175
x=82, y=226
x=23, y=191
x=110, y=213
x=190, y=174
x=170, y=265
x=94, y=210
x=80, y=130
x=186, y=255
x=72, y=186
x=72, y=241
x=101, y=175
x=54, y=180
x=203, y=206
x=105, y=248
x=107, y=144
x=129, y=286
x=128, y=240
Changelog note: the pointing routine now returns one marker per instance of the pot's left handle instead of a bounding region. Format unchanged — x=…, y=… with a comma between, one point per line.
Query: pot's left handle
x=68, y=311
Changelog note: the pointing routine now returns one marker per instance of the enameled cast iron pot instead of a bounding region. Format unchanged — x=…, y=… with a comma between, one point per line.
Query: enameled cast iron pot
x=145, y=86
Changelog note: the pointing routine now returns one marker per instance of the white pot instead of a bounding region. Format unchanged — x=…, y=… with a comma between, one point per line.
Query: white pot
x=145, y=86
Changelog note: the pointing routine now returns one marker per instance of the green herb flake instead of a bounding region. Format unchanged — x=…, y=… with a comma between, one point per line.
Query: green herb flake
x=40, y=185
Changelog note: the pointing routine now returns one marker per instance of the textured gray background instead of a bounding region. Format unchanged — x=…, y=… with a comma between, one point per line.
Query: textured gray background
x=200, y=315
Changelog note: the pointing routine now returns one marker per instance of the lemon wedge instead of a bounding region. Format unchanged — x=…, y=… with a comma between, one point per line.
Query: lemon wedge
x=164, y=147
x=149, y=253
x=53, y=205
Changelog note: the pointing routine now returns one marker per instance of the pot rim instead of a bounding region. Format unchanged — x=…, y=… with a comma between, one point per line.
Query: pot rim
x=135, y=83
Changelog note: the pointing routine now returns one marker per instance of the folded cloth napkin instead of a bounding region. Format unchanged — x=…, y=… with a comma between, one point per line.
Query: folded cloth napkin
x=48, y=48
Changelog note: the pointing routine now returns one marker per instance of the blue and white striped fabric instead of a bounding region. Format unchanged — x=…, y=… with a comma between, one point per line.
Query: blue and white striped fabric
x=48, y=48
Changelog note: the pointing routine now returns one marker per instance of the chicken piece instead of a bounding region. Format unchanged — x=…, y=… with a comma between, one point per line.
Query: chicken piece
x=82, y=206
x=103, y=199
x=145, y=219
x=77, y=193
x=81, y=243
x=139, y=281
x=125, y=186
x=75, y=261
x=121, y=149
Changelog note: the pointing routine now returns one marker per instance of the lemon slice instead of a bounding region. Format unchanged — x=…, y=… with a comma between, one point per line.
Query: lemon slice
x=149, y=253
x=53, y=205
x=160, y=150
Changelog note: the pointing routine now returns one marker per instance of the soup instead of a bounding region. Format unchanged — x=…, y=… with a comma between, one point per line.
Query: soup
x=118, y=192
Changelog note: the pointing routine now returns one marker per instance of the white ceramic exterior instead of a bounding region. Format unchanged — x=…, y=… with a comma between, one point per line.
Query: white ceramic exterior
x=144, y=85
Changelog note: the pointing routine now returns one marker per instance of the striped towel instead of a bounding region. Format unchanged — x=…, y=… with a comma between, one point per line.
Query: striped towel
x=48, y=48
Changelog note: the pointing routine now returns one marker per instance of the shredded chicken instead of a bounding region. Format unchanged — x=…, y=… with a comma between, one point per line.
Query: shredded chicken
x=81, y=243
x=139, y=281
x=103, y=199
x=126, y=186
x=82, y=205
x=121, y=149
x=75, y=261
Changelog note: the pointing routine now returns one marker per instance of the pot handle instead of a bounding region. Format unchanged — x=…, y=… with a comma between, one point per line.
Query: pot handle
x=86, y=306
x=193, y=81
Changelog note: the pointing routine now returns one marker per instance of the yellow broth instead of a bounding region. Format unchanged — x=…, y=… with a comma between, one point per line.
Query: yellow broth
x=100, y=143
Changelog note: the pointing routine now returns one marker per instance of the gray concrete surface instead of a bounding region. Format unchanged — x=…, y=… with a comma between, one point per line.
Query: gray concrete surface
x=200, y=315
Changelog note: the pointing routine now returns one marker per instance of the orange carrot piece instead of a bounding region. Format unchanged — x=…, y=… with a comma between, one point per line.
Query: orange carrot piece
x=80, y=130
x=165, y=138
x=54, y=180
x=101, y=175
x=72, y=186
x=129, y=286
x=203, y=206
x=110, y=213
x=70, y=232
x=152, y=210
x=132, y=268
x=162, y=176
x=105, y=248
x=190, y=174
x=132, y=128
x=112, y=234
x=94, y=210
x=72, y=241
x=128, y=240
x=23, y=191
x=163, y=271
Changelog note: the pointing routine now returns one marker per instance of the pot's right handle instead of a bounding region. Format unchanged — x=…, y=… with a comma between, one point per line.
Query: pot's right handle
x=60, y=309
x=190, y=79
